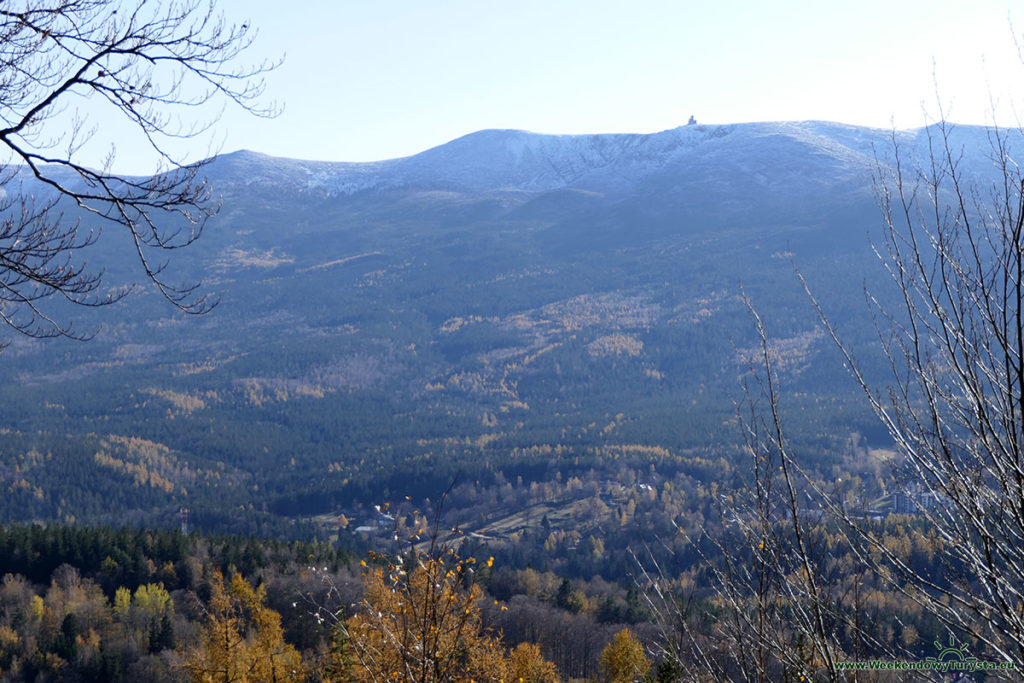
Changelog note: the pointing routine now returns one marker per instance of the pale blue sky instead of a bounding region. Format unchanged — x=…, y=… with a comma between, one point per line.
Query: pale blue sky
x=366, y=80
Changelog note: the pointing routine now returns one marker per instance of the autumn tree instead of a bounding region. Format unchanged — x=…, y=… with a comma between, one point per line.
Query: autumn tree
x=527, y=664
x=157, y=70
x=420, y=618
x=418, y=623
x=242, y=640
x=624, y=660
x=147, y=616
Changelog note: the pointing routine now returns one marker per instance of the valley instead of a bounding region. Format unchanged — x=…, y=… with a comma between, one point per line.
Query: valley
x=538, y=350
x=382, y=327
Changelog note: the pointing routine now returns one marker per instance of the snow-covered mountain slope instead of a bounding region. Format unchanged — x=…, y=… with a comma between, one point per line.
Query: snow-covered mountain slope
x=769, y=155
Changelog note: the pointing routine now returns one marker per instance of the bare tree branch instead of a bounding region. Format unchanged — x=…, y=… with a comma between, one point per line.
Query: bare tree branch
x=955, y=404
x=158, y=65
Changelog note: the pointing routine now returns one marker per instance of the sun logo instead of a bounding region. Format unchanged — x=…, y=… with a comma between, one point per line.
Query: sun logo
x=954, y=650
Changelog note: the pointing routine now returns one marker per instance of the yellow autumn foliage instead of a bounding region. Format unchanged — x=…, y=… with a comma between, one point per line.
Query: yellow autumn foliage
x=242, y=640
x=418, y=623
x=624, y=660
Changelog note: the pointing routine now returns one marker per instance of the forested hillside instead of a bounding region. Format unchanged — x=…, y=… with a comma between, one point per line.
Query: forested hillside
x=382, y=327
x=534, y=358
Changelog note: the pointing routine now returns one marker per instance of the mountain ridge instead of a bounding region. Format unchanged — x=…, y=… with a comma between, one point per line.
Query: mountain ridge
x=495, y=160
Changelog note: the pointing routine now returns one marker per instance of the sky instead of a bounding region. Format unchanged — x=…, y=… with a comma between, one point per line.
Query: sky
x=375, y=80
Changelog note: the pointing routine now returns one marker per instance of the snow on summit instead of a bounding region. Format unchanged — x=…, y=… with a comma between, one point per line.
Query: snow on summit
x=516, y=160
